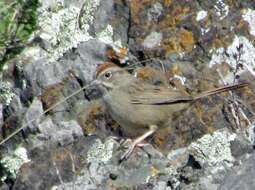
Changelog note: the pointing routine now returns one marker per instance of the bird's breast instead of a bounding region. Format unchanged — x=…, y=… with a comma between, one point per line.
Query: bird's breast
x=134, y=119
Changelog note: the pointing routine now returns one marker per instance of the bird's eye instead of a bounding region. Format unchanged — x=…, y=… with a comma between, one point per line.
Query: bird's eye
x=108, y=75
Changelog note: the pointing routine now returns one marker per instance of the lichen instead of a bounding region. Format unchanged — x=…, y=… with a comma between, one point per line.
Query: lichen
x=60, y=32
x=213, y=149
x=221, y=8
x=88, y=13
x=106, y=36
x=12, y=163
x=228, y=55
x=63, y=28
x=152, y=40
x=201, y=15
x=250, y=133
x=101, y=152
x=249, y=16
x=6, y=93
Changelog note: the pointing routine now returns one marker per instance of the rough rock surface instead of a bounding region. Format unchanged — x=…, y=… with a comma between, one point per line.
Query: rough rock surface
x=241, y=176
x=190, y=45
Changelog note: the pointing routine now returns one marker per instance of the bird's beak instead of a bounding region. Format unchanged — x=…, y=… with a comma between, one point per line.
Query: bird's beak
x=95, y=83
x=100, y=83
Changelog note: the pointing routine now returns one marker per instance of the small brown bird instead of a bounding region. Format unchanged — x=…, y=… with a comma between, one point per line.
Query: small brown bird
x=141, y=108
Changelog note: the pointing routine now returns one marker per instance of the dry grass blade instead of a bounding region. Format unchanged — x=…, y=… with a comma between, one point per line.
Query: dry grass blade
x=47, y=110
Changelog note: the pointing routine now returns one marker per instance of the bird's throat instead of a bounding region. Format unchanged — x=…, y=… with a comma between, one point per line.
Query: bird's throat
x=108, y=86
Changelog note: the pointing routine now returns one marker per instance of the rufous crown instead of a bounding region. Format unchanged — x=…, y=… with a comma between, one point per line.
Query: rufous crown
x=104, y=66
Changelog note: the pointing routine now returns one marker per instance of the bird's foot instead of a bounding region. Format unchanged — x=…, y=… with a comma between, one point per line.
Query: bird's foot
x=131, y=149
x=137, y=142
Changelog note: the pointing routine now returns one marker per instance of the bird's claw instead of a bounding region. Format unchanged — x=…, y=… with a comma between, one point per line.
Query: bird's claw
x=127, y=154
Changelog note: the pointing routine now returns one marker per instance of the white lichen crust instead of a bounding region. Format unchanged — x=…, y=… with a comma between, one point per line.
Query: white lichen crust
x=6, y=93
x=201, y=15
x=213, y=149
x=249, y=16
x=64, y=28
x=101, y=152
x=247, y=56
x=12, y=163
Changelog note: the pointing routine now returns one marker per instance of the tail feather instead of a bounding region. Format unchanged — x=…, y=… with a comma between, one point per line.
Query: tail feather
x=221, y=89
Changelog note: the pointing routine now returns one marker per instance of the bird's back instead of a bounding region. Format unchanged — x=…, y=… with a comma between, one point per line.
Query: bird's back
x=136, y=118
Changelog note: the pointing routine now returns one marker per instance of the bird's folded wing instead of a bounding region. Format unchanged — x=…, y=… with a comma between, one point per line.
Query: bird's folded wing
x=153, y=95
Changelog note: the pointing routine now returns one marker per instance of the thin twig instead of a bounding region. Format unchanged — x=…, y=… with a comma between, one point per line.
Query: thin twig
x=58, y=174
x=239, y=109
x=73, y=170
x=249, y=69
x=244, y=116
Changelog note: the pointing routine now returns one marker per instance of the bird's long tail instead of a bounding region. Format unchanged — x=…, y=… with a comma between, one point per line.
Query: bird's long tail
x=221, y=89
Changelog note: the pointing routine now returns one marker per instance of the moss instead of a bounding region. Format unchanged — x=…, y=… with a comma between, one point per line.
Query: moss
x=18, y=21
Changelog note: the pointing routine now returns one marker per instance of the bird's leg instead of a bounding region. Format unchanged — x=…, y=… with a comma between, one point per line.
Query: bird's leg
x=138, y=141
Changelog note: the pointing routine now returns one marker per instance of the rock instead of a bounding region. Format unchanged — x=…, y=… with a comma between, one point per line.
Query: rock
x=115, y=13
x=161, y=185
x=152, y=40
x=6, y=93
x=178, y=158
x=34, y=113
x=15, y=106
x=64, y=133
x=155, y=12
x=4, y=187
x=241, y=177
x=1, y=115
x=50, y=164
x=67, y=133
x=213, y=149
x=10, y=164
x=240, y=146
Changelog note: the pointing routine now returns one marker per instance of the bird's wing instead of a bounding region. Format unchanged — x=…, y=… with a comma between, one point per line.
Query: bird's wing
x=154, y=95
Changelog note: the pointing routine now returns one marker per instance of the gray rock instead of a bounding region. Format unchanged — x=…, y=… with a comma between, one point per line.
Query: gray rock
x=47, y=127
x=161, y=185
x=4, y=187
x=115, y=14
x=240, y=146
x=241, y=177
x=152, y=40
x=15, y=105
x=155, y=12
x=50, y=164
x=34, y=113
x=73, y=127
x=1, y=115
x=41, y=74
x=137, y=172
x=62, y=134
x=82, y=61
x=67, y=133
x=178, y=158
x=213, y=149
